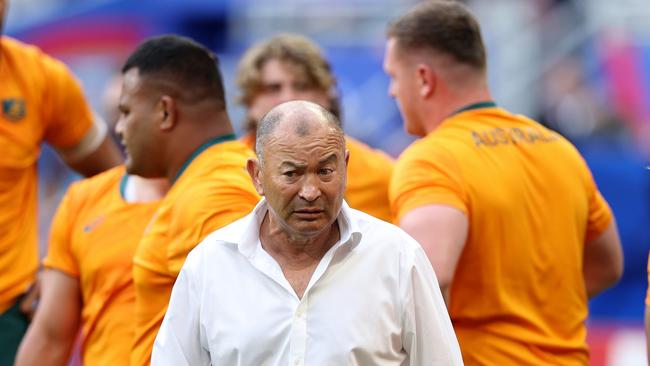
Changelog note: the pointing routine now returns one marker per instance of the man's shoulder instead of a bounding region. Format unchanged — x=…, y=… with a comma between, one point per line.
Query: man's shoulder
x=215, y=171
x=226, y=154
x=433, y=149
x=17, y=48
x=231, y=233
x=367, y=165
x=99, y=184
x=223, y=164
x=30, y=58
x=223, y=242
x=365, y=151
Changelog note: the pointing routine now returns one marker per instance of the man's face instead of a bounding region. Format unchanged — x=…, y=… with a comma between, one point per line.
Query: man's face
x=136, y=126
x=403, y=87
x=283, y=81
x=303, y=179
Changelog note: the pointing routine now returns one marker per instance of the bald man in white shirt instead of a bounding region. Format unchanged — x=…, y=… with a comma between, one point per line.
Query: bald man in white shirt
x=304, y=279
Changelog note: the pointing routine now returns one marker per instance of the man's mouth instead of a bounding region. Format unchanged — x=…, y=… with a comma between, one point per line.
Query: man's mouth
x=308, y=213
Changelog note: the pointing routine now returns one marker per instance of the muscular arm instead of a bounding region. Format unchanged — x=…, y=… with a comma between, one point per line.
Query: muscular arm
x=442, y=232
x=52, y=333
x=95, y=152
x=103, y=158
x=603, y=261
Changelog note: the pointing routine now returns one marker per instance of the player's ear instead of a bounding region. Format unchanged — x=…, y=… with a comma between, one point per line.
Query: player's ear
x=427, y=79
x=167, y=113
x=253, y=168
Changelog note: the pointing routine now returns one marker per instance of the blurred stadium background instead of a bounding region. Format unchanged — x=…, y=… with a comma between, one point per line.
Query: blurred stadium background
x=581, y=67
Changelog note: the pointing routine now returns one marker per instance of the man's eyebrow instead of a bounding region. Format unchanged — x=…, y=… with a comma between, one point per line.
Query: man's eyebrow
x=330, y=158
x=291, y=164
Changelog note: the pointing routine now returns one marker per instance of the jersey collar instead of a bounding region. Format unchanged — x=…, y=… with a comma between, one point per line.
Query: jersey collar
x=206, y=145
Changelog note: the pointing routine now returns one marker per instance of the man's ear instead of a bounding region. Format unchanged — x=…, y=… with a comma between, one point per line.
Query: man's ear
x=167, y=113
x=427, y=79
x=253, y=168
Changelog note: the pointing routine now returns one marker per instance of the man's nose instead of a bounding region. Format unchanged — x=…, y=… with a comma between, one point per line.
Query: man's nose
x=310, y=190
x=288, y=94
x=119, y=127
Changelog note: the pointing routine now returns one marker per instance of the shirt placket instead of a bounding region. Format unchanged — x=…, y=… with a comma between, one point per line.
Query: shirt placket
x=298, y=345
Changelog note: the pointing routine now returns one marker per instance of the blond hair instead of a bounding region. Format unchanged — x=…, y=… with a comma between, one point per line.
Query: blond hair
x=294, y=49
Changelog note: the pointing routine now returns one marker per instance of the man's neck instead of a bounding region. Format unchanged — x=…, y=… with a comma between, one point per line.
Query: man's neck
x=140, y=189
x=294, y=252
x=454, y=102
x=188, y=142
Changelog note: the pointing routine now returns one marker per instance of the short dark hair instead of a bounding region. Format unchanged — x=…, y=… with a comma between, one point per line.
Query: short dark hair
x=443, y=26
x=191, y=68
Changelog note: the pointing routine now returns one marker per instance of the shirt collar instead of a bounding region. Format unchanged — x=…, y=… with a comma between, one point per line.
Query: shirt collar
x=245, y=233
x=479, y=105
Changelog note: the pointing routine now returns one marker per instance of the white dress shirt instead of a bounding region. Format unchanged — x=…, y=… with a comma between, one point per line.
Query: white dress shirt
x=372, y=300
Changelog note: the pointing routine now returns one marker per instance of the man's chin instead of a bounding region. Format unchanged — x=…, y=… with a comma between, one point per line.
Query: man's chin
x=309, y=228
x=414, y=130
x=134, y=169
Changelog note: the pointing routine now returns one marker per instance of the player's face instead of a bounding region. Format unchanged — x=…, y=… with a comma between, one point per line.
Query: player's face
x=136, y=126
x=403, y=87
x=303, y=179
x=282, y=82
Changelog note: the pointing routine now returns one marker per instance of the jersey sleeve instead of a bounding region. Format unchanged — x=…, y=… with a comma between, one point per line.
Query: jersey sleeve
x=208, y=208
x=67, y=115
x=426, y=175
x=60, y=255
x=600, y=215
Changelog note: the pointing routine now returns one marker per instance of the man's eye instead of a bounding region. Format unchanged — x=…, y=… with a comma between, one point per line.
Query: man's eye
x=272, y=88
x=326, y=171
x=289, y=174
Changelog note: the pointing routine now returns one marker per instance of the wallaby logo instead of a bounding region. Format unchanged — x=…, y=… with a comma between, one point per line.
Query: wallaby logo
x=13, y=109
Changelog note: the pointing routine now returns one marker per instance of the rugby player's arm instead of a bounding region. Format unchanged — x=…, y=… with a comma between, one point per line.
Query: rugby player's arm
x=441, y=231
x=52, y=333
x=94, y=153
x=602, y=261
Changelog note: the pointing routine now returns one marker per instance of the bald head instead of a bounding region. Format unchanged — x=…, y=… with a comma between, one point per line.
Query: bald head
x=301, y=166
x=299, y=117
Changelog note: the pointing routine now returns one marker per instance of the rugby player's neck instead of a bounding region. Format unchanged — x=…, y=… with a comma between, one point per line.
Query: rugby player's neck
x=454, y=100
x=188, y=137
x=140, y=189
